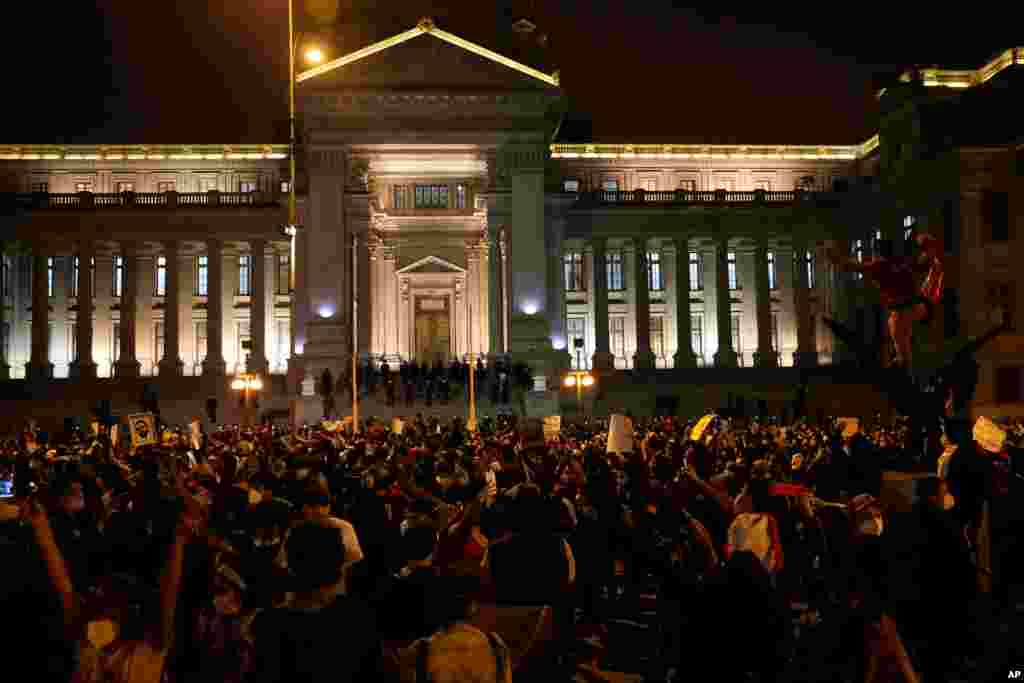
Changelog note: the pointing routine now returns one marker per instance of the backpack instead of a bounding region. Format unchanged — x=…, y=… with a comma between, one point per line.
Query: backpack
x=759, y=534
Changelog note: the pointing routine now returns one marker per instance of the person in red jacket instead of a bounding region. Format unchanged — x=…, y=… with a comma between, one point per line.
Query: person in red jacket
x=897, y=281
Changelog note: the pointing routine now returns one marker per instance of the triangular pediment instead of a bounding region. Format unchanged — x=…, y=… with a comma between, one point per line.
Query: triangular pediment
x=431, y=265
x=427, y=57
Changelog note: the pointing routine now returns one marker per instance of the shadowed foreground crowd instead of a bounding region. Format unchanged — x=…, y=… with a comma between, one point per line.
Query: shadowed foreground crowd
x=441, y=555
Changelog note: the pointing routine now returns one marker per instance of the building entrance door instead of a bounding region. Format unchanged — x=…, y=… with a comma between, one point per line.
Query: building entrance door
x=433, y=330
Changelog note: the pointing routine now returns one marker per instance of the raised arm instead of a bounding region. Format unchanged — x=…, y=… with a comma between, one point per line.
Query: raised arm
x=56, y=568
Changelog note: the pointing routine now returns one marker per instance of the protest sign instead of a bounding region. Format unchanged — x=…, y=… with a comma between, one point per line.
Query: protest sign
x=850, y=425
x=620, y=434
x=552, y=427
x=701, y=426
x=196, y=434
x=397, y=425
x=989, y=435
x=143, y=429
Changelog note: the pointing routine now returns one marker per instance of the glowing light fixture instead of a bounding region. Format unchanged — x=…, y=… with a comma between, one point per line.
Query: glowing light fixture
x=530, y=308
x=313, y=55
x=588, y=380
x=325, y=311
x=570, y=381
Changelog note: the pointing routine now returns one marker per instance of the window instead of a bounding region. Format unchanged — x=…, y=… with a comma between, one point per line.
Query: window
x=696, y=272
x=655, y=281
x=616, y=281
x=125, y=187
x=999, y=297
x=773, y=282
x=688, y=184
x=245, y=275
x=400, y=197
x=49, y=276
x=650, y=184
x=202, y=286
x=858, y=252
x=118, y=276
x=571, y=186
x=83, y=187
x=697, y=333
x=617, y=335
x=161, y=276
x=70, y=341
x=460, y=196
x=40, y=188
x=658, y=336
x=610, y=185
x=734, y=282
x=575, y=328
x=431, y=196
x=765, y=185
x=6, y=340
x=737, y=346
x=115, y=346
x=244, y=186
x=158, y=340
x=572, y=266
x=244, y=336
x=5, y=277
x=200, y=355
x=1008, y=384
x=285, y=187
x=810, y=266
x=284, y=274
x=74, y=276
x=995, y=208
x=167, y=186
x=775, y=331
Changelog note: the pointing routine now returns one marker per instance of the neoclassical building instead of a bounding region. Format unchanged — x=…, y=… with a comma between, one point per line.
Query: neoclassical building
x=442, y=215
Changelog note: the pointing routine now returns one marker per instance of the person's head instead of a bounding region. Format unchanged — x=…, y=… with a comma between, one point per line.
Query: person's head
x=316, y=496
x=315, y=555
x=936, y=493
x=70, y=494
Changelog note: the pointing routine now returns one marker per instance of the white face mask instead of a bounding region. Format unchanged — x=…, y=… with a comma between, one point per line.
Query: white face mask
x=948, y=501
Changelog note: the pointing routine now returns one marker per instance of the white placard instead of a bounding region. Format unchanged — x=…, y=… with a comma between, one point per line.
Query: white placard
x=397, y=425
x=989, y=435
x=620, y=434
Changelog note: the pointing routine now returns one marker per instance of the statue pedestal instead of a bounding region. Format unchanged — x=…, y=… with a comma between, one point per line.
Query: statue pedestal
x=328, y=341
x=531, y=344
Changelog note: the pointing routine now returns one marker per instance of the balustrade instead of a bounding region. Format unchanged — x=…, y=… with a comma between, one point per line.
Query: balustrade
x=88, y=200
x=617, y=197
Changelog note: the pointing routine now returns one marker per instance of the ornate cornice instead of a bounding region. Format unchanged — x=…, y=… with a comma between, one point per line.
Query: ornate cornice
x=140, y=152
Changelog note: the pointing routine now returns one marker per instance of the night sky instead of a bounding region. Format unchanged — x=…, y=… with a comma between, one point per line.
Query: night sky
x=189, y=71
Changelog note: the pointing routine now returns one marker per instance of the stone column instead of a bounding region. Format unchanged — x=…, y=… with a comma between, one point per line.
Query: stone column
x=103, y=314
x=229, y=344
x=127, y=364
x=39, y=366
x=765, y=354
x=258, y=362
x=644, y=357
x=555, y=281
x=806, y=354
x=497, y=315
x=483, y=313
x=5, y=369
x=390, y=301
x=214, y=364
x=685, y=357
x=603, y=358
x=363, y=296
x=726, y=355
x=83, y=366
x=144, y=277
x=472, y=297
x=171, y=364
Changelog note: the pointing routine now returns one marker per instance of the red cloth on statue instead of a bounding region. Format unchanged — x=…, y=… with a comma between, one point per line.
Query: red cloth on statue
x=894, y=279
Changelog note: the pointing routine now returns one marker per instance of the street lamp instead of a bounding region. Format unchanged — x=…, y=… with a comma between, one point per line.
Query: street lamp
x=245, y=385
x=579, y=379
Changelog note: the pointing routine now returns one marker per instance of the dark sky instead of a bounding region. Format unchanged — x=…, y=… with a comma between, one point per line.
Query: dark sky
x=182, y=71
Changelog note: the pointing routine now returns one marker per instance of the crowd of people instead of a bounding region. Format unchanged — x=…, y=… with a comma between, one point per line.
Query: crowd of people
x=421, y=551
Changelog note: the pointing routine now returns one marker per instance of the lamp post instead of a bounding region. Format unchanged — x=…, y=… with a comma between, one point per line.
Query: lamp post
x=471, y=421
x=579, y=379
x=246, y=384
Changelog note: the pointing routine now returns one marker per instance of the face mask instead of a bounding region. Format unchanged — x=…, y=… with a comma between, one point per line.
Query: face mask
x=102, y=633
x=948, y=501
x=255, y=497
